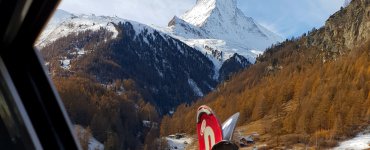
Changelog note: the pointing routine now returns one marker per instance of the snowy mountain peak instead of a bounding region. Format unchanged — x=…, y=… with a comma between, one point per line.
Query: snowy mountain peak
x=217, y=1
x=223, y=20
x=204, y=9
x=220, y=29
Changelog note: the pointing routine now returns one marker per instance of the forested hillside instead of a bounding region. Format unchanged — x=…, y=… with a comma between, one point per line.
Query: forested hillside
x=311, y=90
x=118, y=77
x=160, y=65
x=115, y=114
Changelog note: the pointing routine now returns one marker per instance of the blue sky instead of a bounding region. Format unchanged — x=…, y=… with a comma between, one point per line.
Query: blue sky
x=290, y=17
x=285, y=17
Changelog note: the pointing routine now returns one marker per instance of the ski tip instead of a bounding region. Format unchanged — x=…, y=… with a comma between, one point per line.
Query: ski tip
x=229, y=125
x=233, y=119
x=208, y=128
x=203, y=109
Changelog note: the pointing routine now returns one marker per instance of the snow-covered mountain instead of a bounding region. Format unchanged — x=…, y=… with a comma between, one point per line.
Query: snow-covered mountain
x=111, y=48
x=175, y=65
x=221, y=26
x=64, y=23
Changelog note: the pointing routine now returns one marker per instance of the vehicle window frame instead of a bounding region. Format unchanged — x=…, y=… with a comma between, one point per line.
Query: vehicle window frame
x=13, y=113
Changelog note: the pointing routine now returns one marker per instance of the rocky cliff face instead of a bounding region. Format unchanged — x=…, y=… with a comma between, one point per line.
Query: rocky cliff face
x=345, y=29
x=233, y=65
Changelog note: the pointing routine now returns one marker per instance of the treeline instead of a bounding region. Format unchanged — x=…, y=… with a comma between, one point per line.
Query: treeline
x=113, y=113
x=308, y=96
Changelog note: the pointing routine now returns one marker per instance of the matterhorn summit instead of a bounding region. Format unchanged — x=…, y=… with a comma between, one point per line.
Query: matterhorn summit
x=219, y=25
x=222, y=10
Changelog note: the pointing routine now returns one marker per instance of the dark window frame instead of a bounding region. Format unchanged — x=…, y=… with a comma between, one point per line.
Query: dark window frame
x=13, y=115
x=22, y=22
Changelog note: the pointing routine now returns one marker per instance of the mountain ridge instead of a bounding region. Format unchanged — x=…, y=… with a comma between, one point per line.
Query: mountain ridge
x=82, y=44
x=222, y=26
x=203, y=9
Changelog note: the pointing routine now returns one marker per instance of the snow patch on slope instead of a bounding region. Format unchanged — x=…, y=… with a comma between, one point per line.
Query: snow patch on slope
x=66, y=24
x=95, y=145
x=150, y=124
x=195, y=87
x=63, y=24
x=178, y=144
x=59, y=17
x=360, y=142
x=66, y=63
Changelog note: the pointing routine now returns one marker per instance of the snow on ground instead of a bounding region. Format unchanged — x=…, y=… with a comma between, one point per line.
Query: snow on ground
x=81, y=52
x=147, y=123
x=178, y=144
x=360, y=142
x=150, y=124
x=195, y=87
x=171, y=112
x=66, y=63
x=95, y=144
x=227, y=50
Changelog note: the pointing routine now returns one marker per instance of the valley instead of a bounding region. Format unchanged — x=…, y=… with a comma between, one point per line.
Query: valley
x=311, y=90
x=128, y=85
